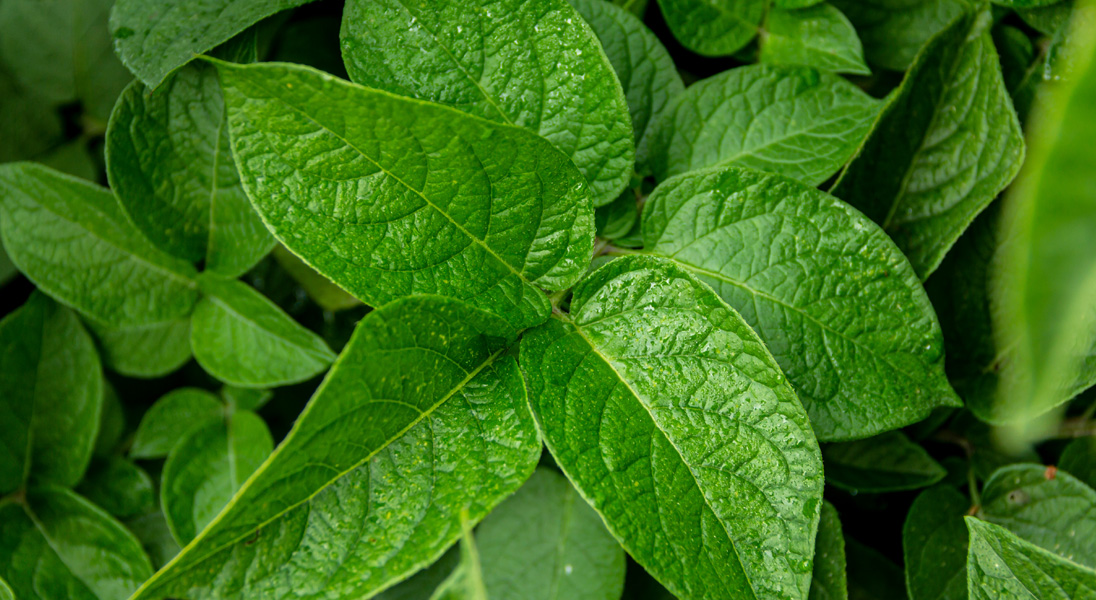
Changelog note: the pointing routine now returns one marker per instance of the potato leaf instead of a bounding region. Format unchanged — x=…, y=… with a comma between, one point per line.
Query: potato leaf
x=1001, y=565
x=819, y=36
x=714, y=27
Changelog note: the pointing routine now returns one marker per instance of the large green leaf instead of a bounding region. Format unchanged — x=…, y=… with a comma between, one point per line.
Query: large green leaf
x=884, y=463
x=171, y=418
x=1044, y=278
x=146, y=351
x=155, y=37
x=51, y=395
x=56, y=544
x=828, y=581
x=714, y=27
x=240, y=337
x=795, y=122
x=545, y=543
x=893, y=31
x=947, y=142
x=73, y=241
x=531, y=63
x=934, y=544
x=422, y=418
x=1054, y=511
x=642, y=64
x=819, y=37
x=169, y=162
x=390, y=196
x=207, y=467
x=118, y=486
x=835, y=301
x=1001, y=565
x=676, y=424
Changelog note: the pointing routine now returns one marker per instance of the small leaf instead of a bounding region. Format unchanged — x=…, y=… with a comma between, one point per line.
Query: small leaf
x=59, y=545
x=947, y=142
x=350, y=178
x=894, y=31
x=207, y=467
x=885, y=463
x=835, y=301
x=1079, y=460
x=618, y=219
x=714, y=27
x=819, y=36
x=671, y=418
x=145, y=351
x=51, y=395
x=795, y=122
x=530, y=63
x=119, y=487
x=829, y=580
x=73, y=241
x=422, y=418
x=242, y=338
x=1001, y=565
x=169, y=420
x=934, y=544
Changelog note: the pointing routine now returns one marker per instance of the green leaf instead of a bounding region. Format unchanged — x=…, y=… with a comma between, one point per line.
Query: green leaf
x=58, y=545
x=1048, y=20
x=934, y=544
x=1053, y=510
x=207, y=467
x=885, y=463
x=321, y=289
x=618, y=219
x=152, y=531
x=713, y=27
x=1001, y=565
x=169, y=162
x=1079, y=460
x=119, y=487
x=51, y=395
x=341, y=174
x=155, y=37
x=947, y=142
x=237, y=398
x=545, y=542
x=171, y=418
x=1044, y=278
x=819, y=36
x=145, y=351
x=894, y=31
x=835, y=301
x=61, y=51
x=466, y=581
x=871, y=575
x=73, y=241
x=671, y=418
x=422, y=417
x=829, y=581
x=795, y=122
x=530, y=63
x=242, y=338
x=642, y=64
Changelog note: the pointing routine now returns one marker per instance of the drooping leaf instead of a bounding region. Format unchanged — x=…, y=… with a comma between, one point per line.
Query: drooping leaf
x=819, y=36
x=51, y=395
x=321, y=289
x=119, y=487
x=893, y=31
x=1001, y=565
x=947, y=142
x=671, y=418
x=716, y=27
x=422, y=417
x=170, y=164
x=545, y=542
x=1053, y=510
x=388, y=196
x=530, y=63
x=58, y=545
x=155, y=37
x=146, y=351
x=61, y=51
x=171, y=418
x=835, y=301
x=240, y=337
x=642, y=64
x=871, y=575
x=885, y=463
x=73, y=241
x=829, y=581
x=207, y=467
x=1079, y=460
x=795, y=122
x=934, y=544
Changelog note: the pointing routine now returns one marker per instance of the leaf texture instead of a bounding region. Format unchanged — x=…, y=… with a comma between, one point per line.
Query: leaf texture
x=530, y=63
x=671, y=418
x=1000, y=565
x=934, y=545
x=835, y=301
x=885, y=463
x=422, y=418
x=390, y=196
x=795, y=122
x=820, y=37
x=716, y=27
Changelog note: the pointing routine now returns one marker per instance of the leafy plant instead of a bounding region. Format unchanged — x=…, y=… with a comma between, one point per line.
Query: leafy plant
x=544, y=299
